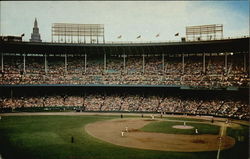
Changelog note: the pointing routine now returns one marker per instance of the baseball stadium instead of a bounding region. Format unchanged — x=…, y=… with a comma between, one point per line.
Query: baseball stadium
x=82, y=97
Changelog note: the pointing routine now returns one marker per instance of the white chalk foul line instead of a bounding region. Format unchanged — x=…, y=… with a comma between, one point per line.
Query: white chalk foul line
x=220, y=140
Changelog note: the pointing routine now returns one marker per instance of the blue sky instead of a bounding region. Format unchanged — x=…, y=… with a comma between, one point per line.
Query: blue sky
x=126, y=18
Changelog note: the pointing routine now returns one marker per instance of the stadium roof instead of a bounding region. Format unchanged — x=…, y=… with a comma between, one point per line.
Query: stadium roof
x=213, y=46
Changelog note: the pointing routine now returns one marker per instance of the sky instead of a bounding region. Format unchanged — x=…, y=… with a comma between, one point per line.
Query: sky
x=127, y=18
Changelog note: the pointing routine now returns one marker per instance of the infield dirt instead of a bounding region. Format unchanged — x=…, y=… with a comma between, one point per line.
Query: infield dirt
x=110, y=131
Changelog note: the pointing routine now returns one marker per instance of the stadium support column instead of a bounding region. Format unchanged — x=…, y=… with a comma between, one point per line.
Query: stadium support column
x=2, y=63
x=225, y=62
x=204, y=63
x=124, y=62
x=66, y=64
x=24, y=63
x=85, y=63
x=183, y=63
x=143, y=63
x=105, y=61
x=163, y=63
x=245, y=62
x=45, y=64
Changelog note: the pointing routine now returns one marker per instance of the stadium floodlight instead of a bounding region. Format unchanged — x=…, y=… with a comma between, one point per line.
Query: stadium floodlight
x=204, y=32
x=77, y=32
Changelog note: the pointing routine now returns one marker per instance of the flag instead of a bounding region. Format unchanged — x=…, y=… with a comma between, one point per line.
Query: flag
x=138, y=37
x=22, y=35
x=119, y=37
x=157, y=35
x=177, y=34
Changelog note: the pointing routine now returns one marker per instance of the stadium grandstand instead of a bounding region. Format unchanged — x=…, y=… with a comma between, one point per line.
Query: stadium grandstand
x=193, y=77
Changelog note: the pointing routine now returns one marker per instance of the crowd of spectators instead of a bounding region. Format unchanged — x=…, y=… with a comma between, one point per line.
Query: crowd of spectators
x=153, y=72
x=136, y=103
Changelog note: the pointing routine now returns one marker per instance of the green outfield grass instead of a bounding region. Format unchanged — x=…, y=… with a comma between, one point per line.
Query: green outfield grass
x=166, y=127
x=241, y=149
x=49, y=137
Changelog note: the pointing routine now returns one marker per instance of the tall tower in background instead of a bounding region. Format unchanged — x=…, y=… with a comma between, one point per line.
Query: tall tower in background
x=35, y=36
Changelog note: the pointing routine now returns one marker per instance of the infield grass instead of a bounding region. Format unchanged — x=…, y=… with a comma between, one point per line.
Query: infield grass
x=167, y=127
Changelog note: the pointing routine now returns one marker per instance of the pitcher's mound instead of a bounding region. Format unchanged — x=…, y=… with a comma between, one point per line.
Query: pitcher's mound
x=182, y=127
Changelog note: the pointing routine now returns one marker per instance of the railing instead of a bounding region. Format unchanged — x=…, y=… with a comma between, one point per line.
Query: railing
x=145, y=42
x=169, y=41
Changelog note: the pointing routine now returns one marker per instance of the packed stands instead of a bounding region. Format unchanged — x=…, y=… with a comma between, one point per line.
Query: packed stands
x=152, y=70
x=133, y=103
